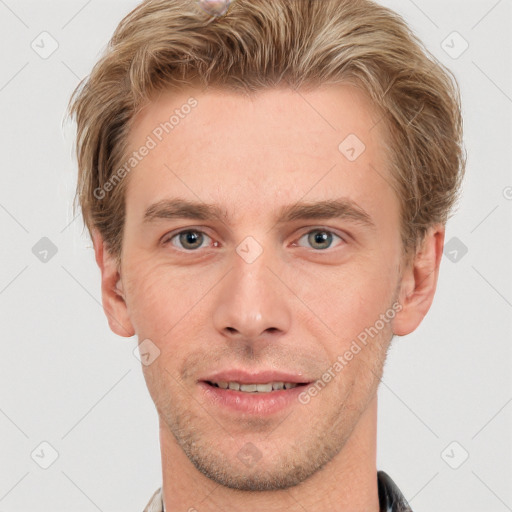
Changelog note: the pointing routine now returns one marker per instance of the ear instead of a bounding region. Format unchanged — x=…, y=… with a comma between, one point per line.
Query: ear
x=112, y=294
x=419, y=281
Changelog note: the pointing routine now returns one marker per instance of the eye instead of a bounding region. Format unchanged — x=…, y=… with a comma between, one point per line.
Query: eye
x=188, y=240
x=320, y=238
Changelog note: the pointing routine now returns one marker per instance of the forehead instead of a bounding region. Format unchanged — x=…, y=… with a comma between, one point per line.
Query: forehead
x=327, y=110
x=275, y=146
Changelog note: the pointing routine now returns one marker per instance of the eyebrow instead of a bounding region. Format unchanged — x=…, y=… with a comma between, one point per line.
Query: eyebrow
x=342, y=208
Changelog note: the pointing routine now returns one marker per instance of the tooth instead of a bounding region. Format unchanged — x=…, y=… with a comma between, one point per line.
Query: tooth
x=256, y=388
x=264, y=388
x=248, y=387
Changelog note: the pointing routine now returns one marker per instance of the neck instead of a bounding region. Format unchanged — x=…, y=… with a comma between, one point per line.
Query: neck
x=346, y=483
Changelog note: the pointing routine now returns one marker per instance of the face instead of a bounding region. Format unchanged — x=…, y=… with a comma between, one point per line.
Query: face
x=287, y=253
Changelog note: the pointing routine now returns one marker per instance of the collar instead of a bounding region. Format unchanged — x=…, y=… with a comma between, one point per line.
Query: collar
x=390, y=497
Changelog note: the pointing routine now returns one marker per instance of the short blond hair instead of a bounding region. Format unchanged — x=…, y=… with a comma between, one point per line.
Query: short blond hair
x=260, y=44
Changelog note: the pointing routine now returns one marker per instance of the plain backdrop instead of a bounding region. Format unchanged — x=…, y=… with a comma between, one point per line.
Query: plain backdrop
x=72, y=395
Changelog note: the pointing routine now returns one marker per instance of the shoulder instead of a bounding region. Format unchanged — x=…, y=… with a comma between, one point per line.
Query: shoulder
x=391, y=498
x=155, y=503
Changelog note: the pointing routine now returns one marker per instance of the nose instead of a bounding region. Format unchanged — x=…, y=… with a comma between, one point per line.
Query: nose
x=252, y=302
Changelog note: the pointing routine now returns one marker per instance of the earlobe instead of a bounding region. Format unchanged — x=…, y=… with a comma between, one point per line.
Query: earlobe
x=419, y=281
x=112, y=292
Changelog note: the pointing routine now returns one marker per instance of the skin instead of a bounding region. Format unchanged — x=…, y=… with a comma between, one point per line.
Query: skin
x=297, y=307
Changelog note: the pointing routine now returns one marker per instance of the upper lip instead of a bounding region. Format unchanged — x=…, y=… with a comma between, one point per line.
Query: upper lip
x=259, y=377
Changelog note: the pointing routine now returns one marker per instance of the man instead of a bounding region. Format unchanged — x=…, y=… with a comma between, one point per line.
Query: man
x=267, y=185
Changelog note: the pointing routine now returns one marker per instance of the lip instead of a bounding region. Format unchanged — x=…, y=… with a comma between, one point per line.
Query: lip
x=261, y=377
x=257, y=404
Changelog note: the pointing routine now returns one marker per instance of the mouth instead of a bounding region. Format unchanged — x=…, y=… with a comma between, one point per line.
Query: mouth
x=263, y=394
x=255, y=388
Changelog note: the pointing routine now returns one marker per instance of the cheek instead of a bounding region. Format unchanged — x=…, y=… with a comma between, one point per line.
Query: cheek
x=351, y=296
x=163, y=299
x=151, y=300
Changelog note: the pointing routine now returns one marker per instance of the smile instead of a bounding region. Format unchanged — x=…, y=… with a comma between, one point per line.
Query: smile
x=255, y=388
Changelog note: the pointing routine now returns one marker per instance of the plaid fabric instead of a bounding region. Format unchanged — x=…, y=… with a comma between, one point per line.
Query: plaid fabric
x=390, y=497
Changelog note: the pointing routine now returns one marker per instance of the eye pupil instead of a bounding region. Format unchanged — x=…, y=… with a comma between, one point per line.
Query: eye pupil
x=191, y=237
x=323, y=238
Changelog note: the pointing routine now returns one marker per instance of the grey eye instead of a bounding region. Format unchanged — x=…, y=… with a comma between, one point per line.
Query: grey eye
x=189, y=240
x=320, y=238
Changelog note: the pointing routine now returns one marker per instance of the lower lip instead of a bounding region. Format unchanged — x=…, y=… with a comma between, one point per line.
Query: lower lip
x=260, y=404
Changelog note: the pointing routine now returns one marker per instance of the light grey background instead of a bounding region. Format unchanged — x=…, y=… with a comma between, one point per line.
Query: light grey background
x=67, y=380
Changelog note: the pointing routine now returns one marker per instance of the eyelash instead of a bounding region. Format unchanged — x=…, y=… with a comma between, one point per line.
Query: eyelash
x=168, y=239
